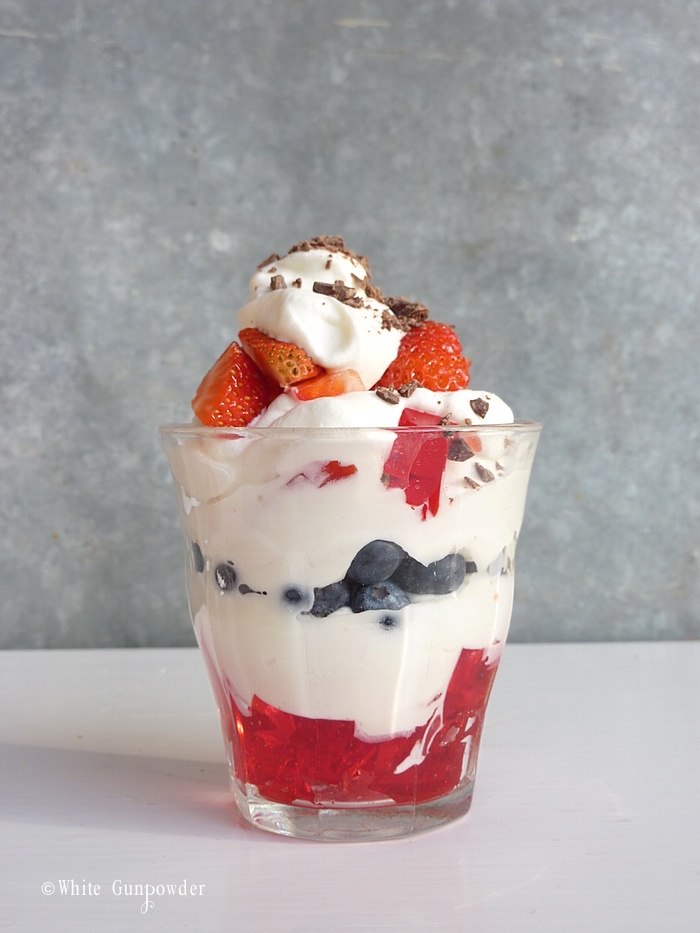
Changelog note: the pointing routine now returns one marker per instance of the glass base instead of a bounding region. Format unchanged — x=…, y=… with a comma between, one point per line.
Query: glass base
x=351, y=824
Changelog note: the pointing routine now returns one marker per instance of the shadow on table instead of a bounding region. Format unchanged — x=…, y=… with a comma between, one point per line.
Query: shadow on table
x=132, y=793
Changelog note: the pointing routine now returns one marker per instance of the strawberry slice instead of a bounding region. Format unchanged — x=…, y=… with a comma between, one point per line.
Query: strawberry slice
x=281, y=362
x=417, y=461
x=430, y=354
x=233, y=392
x=329, y=384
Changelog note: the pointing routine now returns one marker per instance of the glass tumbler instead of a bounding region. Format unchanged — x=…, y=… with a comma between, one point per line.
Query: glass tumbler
x=351, y=592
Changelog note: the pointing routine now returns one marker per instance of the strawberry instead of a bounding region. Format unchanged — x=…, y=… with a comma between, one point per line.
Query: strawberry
x=280, y=362
x=327, y=384
x=430, y=354
x=233, y=392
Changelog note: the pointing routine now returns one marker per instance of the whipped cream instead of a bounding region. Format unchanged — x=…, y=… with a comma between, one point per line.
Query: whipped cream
x=301, y=268
x=362, y=336
x=367, y=409
x=335, y=335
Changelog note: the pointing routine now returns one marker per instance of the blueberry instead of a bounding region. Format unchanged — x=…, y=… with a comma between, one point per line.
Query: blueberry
x=329, y=598
x=225, y=576
x=197, y=557
x=375, y=562
x=412, y=576
x=440, y=577
x=448, y=574
x=386, y=595
x=295, y=597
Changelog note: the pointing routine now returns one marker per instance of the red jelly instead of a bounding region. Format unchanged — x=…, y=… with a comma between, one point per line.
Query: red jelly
x=293, y=759
x=417, y=461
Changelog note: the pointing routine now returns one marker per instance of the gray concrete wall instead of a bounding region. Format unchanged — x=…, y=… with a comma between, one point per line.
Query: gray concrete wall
x=527, y=168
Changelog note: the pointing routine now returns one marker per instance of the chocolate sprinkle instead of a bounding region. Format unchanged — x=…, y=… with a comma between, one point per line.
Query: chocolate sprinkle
x=266, y=262
x=340, y=291
x=388, y=395
x=408, y=388
x=479, y=406
x=410, y=314
x=276, y=282
x=373, y=291
x=459, y=449
x=486, y=475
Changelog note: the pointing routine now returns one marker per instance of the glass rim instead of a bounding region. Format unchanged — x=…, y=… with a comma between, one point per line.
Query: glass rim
x=193, y=430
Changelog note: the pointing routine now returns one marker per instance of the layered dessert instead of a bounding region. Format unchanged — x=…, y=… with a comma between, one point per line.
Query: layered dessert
x=352, y=509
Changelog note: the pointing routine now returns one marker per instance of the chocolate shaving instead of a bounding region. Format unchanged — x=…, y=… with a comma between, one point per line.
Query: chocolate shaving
x=472, y=483
x=486, y=475
x=276, y=282
x=388, y=395
x=390, y=321
x=479, y=406
x=409, y=314
x=340, y=291
x=373, y=291
x=329, y=262
x=459, y=449
x=266, y=262
x=408, y=388
x=296, y=283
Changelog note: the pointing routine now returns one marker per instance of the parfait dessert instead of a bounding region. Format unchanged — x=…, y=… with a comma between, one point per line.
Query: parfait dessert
x=351, y=508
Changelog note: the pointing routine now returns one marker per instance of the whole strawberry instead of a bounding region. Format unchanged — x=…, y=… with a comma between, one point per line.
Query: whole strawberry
x=233, y=392
x=431, y=355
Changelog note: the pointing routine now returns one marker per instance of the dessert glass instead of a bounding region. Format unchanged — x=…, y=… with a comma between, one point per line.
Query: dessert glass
x=351, y=591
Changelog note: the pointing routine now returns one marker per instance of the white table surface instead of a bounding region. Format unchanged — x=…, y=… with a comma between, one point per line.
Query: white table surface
x=586, y=814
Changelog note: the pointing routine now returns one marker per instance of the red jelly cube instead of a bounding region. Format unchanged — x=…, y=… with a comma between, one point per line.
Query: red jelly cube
x=417, y=460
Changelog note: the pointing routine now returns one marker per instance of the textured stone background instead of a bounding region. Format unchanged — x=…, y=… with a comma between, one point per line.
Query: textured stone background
x=527, y=168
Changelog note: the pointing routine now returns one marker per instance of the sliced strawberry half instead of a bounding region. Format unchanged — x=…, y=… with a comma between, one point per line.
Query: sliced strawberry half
x=281, y=362
x=233, y=392
x=430, y=354
x=329, y=384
